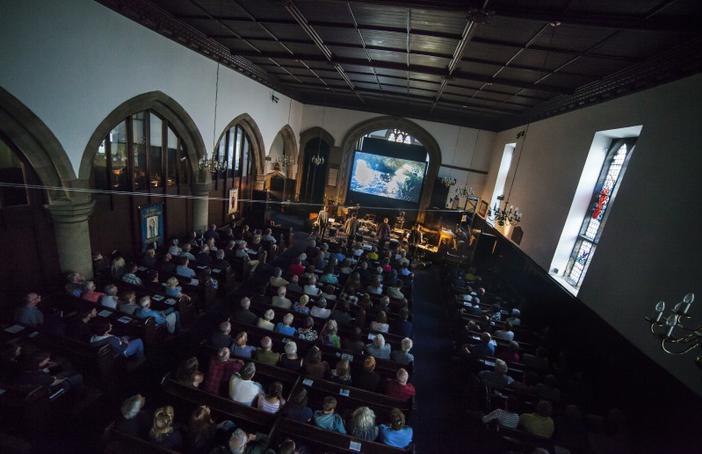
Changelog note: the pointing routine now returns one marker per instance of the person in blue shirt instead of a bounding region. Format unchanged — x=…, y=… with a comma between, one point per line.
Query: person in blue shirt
x=285, y=327
x=169, y=319
x=28, y=314
x=183, y=270
x=486, y=347
x=397, y=434
x=327, y=418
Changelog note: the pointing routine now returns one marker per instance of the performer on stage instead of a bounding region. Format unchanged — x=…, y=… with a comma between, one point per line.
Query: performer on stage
x=323, y=221
x=383, y=233
x=351, y=228
x=415, y=238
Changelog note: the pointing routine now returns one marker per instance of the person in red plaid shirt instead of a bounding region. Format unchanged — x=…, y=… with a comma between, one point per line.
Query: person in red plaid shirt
x=222, y=367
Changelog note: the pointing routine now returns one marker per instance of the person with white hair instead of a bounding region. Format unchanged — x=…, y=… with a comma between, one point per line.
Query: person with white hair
x=403, y=356
x=320, y=309
x=285, y=327
x=90, y=294
x=505, y=334
x=243, y=314
x=265, y=353
x=311, y=287
x=242, y=388
x=513, y=318
x=266, y=322
x=174, y=249
x=242, y=443
x=399, y=388
x=242, y=254
x=290, y=359
x=496, y=378
x=161, y=318
x=362, y=424
x=109, y=298
x=280, y=300
x=134, y=421
x=378, y=348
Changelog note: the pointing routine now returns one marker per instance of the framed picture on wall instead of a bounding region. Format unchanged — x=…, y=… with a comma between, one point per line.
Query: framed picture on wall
x=482, y=208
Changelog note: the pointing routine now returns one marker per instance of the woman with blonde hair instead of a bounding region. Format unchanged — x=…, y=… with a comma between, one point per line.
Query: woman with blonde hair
x=329, y=336
x=118, y=267
x=172, y=288
x=162, y=431
x=363, y=424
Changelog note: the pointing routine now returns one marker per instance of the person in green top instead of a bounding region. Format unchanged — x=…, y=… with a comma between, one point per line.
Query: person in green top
x=265, y=354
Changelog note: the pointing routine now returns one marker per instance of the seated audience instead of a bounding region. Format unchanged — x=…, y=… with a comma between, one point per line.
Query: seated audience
x=167, y=266
x=329, y=335
x=355, y=342
x=319, y=309
x=272, y=399
x=201, y=431
x=313, y=364
x=277, y=279
x=327, y=418
x=28, y=313
x=130, y=276
x=169, y=318
x=162, y=432
x=280, y=300
x=396, y=434
x=381, y=323
x=307, y=331
x=109, y=298
x=367, y=377
x=243, y=314
x=125, y=347
x=311, y=287
x=362, y=424
x=296, y=408
x=265, y=353
x=188, y=373
x=183, y=269
x=172, y=289
x=403, y=356
x=75, y=284
x=399, y=388
x=402, y=326
x=486, y=347
x=242, y=388
x=37, y=369
x=221, y=336
x=127, y=302
x=220, y=370
x=497, y=378
x=540, y=422
x=174, y=248
x=242, y=443
x=290, y=359
x=294, y=284
x=134, y=420
x=240, y=348
x=509, y=354
x=301, y=305
x=378, y=347
x=285, y=327
x=296, y=268
x=341, y=313
x=80, y=327
x=89, y=293
x=505, y=334
x=118, y=267
x=342, y=373
x=507, y=417
x=266, y=321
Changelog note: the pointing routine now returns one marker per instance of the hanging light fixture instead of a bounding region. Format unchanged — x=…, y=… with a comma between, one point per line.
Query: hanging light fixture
x=676, y=338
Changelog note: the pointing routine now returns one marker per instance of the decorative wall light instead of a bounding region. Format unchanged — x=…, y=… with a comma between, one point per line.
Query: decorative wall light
x=676, y=338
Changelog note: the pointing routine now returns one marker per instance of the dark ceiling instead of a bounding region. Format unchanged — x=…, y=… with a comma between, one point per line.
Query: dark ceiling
x=490, y=64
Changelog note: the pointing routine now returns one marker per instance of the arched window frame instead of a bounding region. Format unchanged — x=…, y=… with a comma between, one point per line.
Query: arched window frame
x=234, y=150
x=19, y=192
x=603, y=196
x=167, y=178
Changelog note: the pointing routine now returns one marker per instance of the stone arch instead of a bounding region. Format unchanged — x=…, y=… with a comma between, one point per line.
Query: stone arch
x=38, y=144
x=252, y=130
x=305, y=136
x=289, y=147
x=388, y=122
x=165, y=106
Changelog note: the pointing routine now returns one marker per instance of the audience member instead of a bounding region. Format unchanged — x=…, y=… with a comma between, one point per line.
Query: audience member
x=109, y=298
x=301, y=305
x=221, y=336
x=162, y=432
x=378, y=347
x=396, y=434
x=89, y=293
x=307, y=331
x=285, y=327
x=240, y=347
x=28, y=313
x=266, y=321
x=220, y=370
x=127, y=303
x=540, y=422
x=265, y=353
x=399, y=388
x=290, y=359
x=296, y=408
x=403, y=355
x=134, y=420
x=507, y=417
x=130, y=276
x=128, y=348
x=313, y=364
x=319, y=309
x=367, y=377
x=342, y=373
x=242, y=388
x=243, y=314
x=496, y=378
x=280, y=300
x=329, y=335
x=272, y=399
x=362, y=424
x=327, y=418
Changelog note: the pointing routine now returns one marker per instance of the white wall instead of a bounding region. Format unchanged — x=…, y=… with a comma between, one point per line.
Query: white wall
x=72, y=62
x=650, y=248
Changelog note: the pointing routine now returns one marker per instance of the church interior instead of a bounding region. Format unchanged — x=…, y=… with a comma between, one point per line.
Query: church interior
x=326, y=226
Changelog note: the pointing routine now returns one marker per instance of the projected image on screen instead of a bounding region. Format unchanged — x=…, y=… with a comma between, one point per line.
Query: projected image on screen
x=384, y=176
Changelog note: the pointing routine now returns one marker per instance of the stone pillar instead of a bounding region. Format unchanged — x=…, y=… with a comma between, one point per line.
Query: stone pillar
x=201, y=207
x=70, y=220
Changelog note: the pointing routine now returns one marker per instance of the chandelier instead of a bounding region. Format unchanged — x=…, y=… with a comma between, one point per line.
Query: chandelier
x=505, y=215
x=465, y=192
x=212, y=165
x=399, y=136
x=317, y=159
x=665, y=325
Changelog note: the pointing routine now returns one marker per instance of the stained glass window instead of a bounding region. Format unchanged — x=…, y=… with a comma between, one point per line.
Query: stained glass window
x=602, y=198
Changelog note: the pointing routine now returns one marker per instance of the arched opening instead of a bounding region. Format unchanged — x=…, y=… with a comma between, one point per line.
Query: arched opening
x=397, y=131
x=29, y=154
x=240, y=153
x=312, y=169
x=280, y=165
x=143, y=154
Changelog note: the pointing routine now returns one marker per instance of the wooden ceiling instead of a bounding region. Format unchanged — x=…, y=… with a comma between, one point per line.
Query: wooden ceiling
x=490, y=64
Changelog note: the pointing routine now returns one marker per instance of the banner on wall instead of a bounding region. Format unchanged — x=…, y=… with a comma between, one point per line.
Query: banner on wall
x=152, y=230
x=233, y=200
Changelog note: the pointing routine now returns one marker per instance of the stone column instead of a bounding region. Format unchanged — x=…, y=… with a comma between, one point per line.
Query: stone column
x=201, y=205
x=70, y=220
